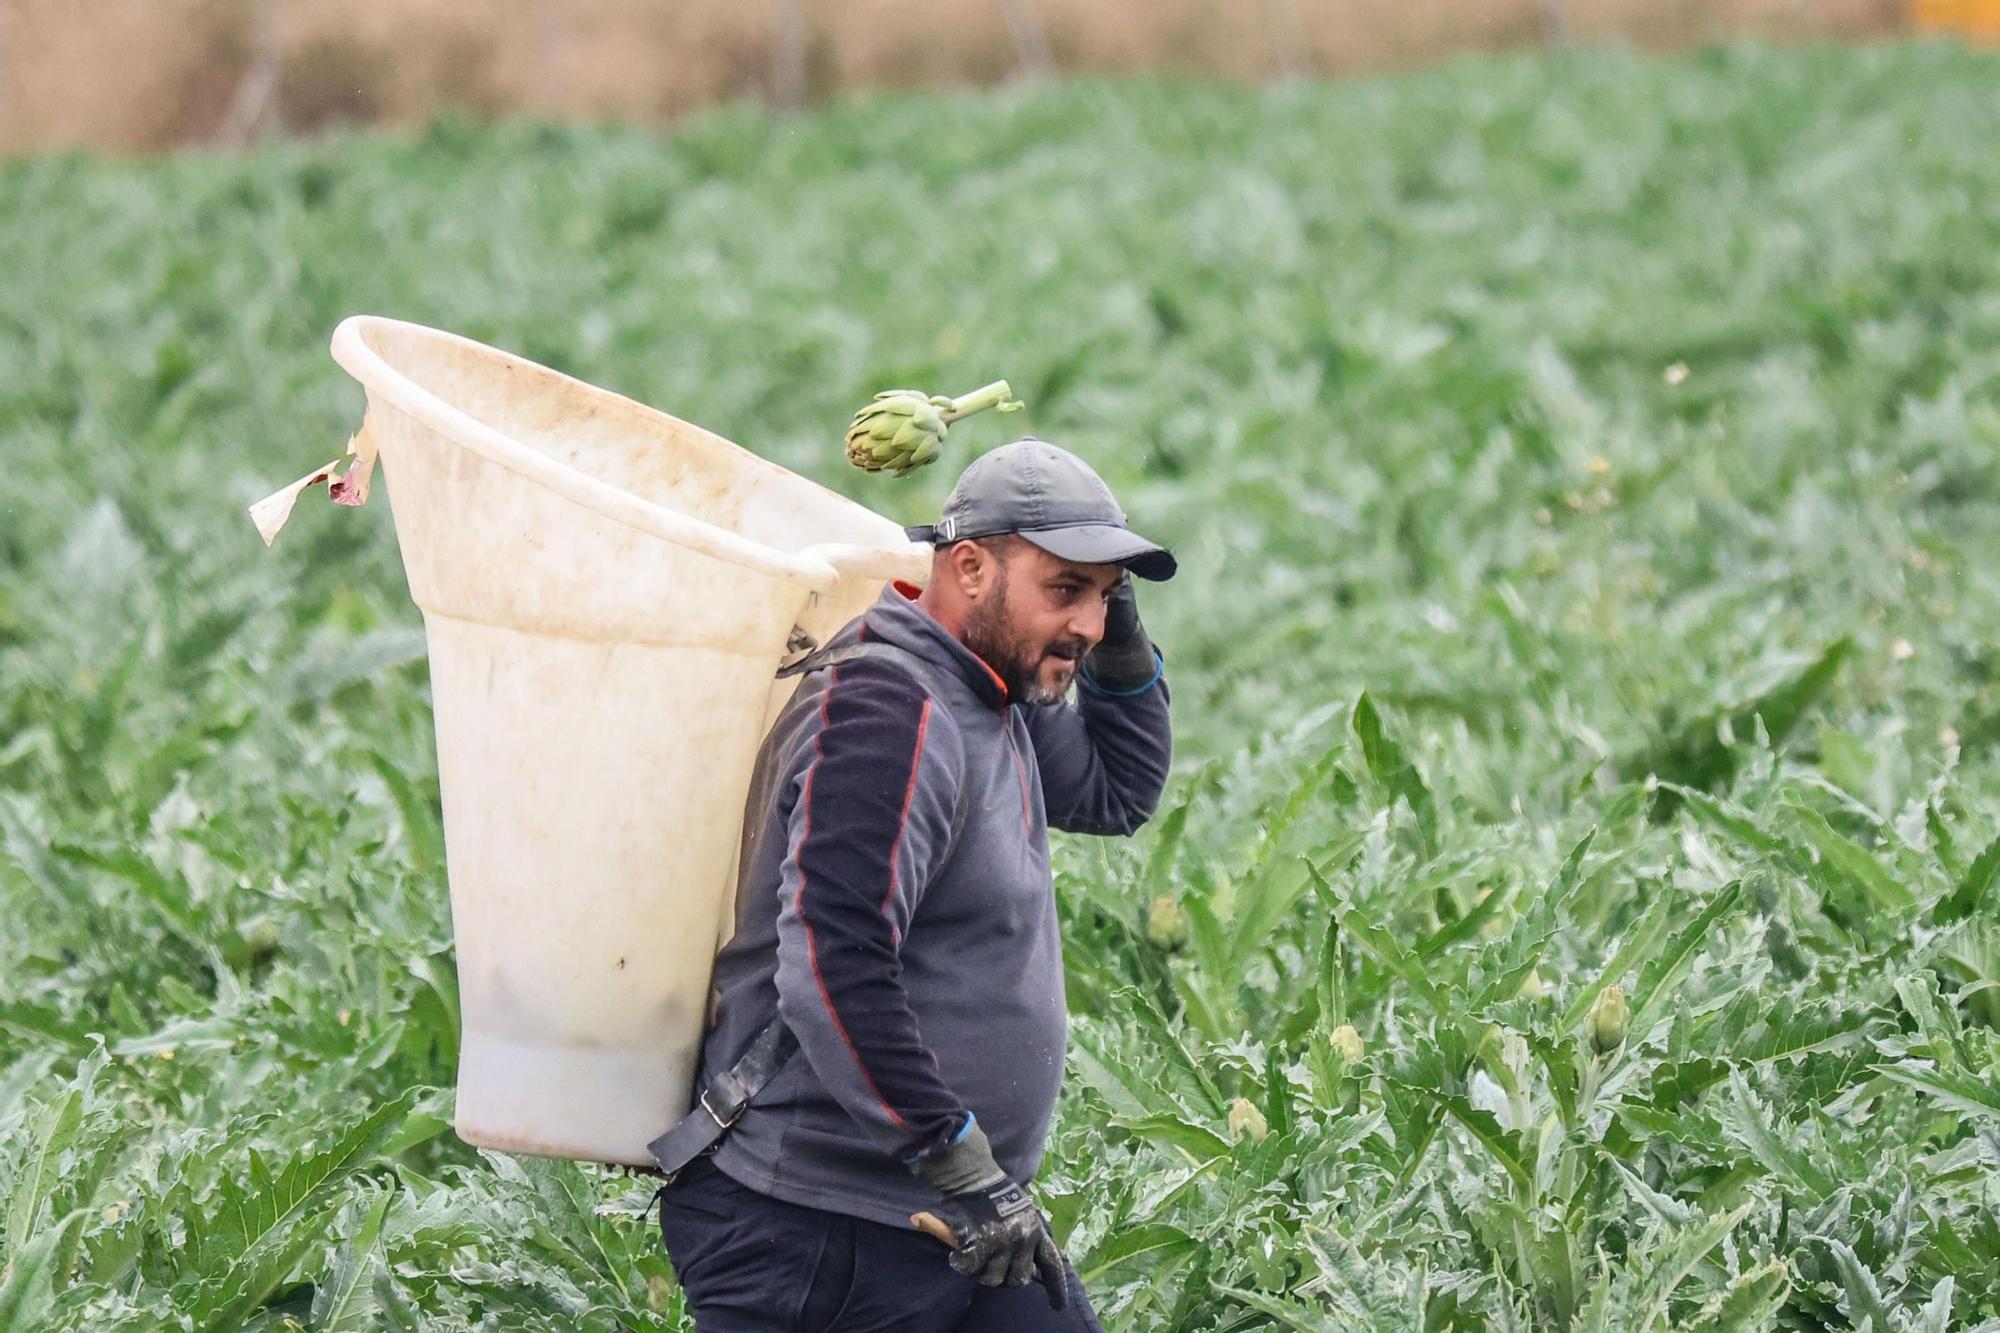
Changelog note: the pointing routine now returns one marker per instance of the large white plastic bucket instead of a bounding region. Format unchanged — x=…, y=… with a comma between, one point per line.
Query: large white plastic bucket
x=606, y=593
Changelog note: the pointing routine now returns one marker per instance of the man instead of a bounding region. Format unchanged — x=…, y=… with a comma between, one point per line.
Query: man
x=896, y=912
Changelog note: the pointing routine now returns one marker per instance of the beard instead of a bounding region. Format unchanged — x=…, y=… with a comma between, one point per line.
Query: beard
x=1014, y=658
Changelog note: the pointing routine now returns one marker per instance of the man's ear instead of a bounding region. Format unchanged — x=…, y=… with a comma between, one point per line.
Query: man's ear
x=969, y=563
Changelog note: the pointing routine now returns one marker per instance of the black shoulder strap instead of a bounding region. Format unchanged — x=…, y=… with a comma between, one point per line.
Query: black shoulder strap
x=725, y=1098
x=822, y=658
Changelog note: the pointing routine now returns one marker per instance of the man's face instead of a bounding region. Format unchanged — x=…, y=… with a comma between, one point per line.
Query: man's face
x=1037, y=617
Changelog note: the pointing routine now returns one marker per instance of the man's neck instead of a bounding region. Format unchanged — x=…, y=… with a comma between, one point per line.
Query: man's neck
x=950, y=614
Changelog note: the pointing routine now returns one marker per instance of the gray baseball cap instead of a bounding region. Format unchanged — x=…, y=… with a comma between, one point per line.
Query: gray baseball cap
x=1052, y=498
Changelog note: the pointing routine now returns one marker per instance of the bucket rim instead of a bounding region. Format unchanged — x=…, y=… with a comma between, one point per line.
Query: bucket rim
x=375, y=374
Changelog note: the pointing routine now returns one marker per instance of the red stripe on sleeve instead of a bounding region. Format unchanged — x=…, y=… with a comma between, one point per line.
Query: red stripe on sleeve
x=909, y=795
x=812, y=941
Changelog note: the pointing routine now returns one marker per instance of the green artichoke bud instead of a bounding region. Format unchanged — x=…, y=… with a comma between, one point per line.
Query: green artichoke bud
x=1166, y=923
x=901, y=430
x=1245, y=1118
x=1608, y=1016
x=1348, y=1042
x=259, y=936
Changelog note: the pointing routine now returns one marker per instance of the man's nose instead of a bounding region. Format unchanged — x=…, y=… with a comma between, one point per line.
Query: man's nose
x=1089, y=622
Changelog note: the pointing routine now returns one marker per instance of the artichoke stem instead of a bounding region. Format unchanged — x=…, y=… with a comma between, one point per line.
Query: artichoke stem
x=996, y=394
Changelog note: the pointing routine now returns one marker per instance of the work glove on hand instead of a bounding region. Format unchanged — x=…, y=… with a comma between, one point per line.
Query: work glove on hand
x=998, y=1236
x=1124, y=657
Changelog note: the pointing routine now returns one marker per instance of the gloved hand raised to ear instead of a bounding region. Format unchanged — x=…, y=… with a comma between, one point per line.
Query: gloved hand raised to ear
x=1124, y=659
x=996, y=1233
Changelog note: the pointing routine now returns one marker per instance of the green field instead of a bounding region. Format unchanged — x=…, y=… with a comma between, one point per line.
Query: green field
x=1580, y=469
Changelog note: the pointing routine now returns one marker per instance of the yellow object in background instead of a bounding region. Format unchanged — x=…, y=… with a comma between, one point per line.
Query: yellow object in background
x=1975, y=19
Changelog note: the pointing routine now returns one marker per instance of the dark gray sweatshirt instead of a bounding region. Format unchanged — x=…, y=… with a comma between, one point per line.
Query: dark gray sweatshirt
x=923, y=980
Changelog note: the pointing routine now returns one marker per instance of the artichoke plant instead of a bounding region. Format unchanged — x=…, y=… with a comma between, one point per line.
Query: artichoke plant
x=1607, y=1020
x=901, y=430
x=1166, y=924
x=1245, y=1118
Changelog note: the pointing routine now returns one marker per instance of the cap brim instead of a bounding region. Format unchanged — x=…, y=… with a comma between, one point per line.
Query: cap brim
x=1103, y=544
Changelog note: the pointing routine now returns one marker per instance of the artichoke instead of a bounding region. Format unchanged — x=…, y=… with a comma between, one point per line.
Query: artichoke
x=901, y=430
x=1166, y=924
x=1608, y=1016
x=1245, y=1118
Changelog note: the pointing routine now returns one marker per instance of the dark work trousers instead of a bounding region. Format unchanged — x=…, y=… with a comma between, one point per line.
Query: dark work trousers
x=753, y=1264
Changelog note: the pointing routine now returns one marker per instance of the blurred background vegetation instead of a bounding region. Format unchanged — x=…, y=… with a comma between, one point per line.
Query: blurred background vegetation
x=139, y=75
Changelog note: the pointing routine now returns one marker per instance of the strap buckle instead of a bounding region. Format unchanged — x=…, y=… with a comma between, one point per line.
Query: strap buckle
x=799, y=648
x=735, y=1114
